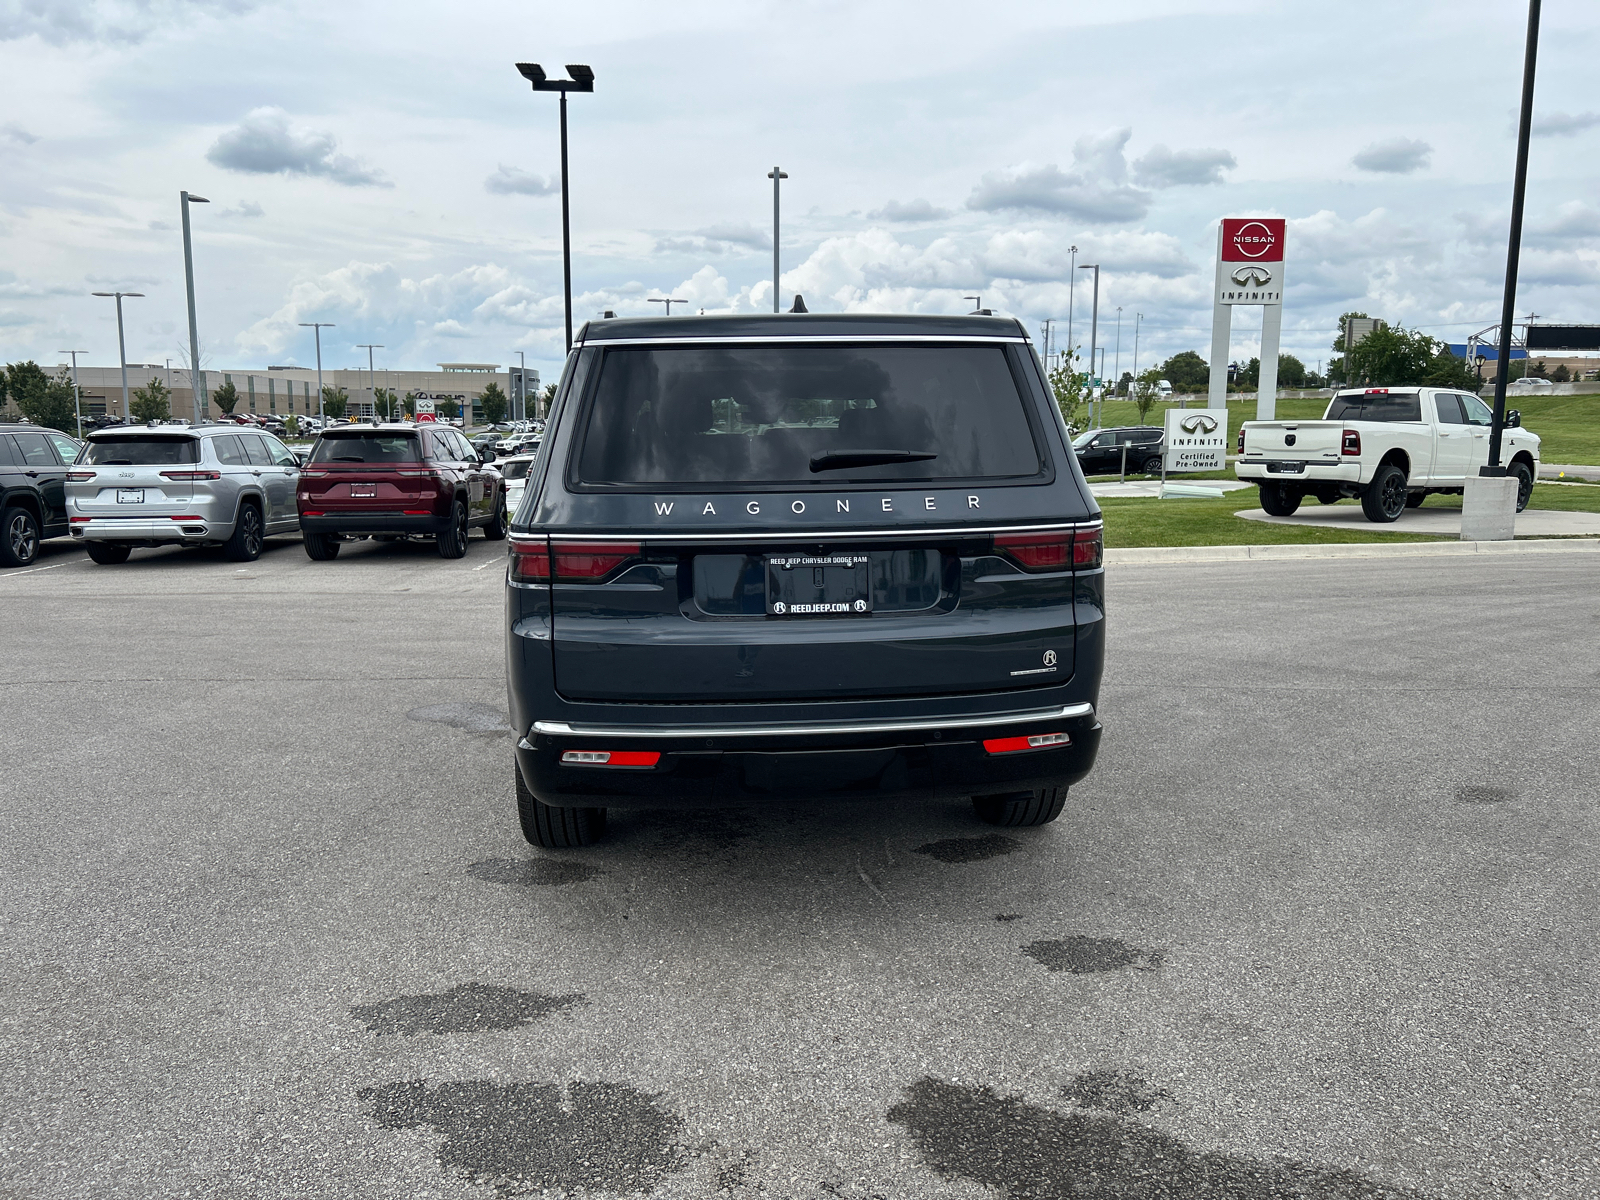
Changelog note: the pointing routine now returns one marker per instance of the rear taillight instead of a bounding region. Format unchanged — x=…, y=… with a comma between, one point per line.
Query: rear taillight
x=1351, y=442
x=530, y=561
x=79, y=476
x=1037, y=741
x=190, y=476
x=590, y=562
x=610, y=758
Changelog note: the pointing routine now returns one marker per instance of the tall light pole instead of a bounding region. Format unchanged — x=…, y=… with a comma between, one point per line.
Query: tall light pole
x=77, y=408
x=668, y=303
x=582, y=81
x=319, y=326
x=1072, y=281
x=197, y=380
x=776, y=175
x=372, y=375
x=1094, y=327
x=122, y=349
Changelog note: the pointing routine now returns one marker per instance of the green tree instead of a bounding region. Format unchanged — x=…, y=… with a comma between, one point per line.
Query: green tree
x=494, y=403
x=1186, y=371
x=226, y=397
x=1070, y=387
x=334, y=401
x=1146, y=392
x=152, y=402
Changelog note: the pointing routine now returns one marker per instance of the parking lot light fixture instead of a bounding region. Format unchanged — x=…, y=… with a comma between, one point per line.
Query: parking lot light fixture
x=319, y=326
x=197, y=380
x=122, y=346
x=582, y=80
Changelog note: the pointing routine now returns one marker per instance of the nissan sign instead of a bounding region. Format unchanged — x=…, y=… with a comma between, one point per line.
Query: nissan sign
x=1197, y=440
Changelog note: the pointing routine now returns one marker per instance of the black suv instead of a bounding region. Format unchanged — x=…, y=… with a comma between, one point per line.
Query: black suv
x=802, y=556
x=33, y=489
x=1101, y=451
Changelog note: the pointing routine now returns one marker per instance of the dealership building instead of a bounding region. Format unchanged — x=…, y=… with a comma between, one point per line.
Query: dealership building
x=285, y=391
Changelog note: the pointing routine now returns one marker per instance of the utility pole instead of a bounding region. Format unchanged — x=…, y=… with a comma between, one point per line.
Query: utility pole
x=775, y=175
x=77, y=408
x=197, y=380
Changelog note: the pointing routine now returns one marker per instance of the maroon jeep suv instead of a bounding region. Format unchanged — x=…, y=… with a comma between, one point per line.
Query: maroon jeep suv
x=398, y=481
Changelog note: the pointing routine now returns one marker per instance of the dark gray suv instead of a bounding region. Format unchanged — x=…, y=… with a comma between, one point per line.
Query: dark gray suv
x=802, y=556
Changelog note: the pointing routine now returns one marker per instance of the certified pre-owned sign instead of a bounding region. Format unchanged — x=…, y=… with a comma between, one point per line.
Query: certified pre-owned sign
x=1197, y=440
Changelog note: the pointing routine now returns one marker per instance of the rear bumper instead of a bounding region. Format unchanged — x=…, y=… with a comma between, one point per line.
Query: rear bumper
x=1314, y=472
x=356, y=522
x=705, y=765
x=150, y=531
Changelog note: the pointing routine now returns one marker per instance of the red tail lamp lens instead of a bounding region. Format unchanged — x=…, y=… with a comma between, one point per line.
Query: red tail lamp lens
x=1051, y=551
x=610, y=758
x=530, y=561
x=1351, y=443
x=586, y=562
x=1015, y=745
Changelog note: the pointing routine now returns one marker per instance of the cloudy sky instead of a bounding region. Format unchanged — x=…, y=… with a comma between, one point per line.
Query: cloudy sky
x=383, y=167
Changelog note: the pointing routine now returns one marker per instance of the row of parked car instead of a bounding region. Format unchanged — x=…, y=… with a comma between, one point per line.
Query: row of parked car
x=229, y=486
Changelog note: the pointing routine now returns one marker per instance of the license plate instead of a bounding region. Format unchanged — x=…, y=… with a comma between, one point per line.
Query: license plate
x=818, y=585
x=1286, y=468
x=130, y=495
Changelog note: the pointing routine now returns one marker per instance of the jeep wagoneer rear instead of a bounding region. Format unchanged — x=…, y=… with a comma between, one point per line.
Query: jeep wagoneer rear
x=802, y=557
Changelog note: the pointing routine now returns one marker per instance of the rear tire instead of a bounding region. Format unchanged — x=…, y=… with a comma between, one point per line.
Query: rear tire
x=1280, y=500
x=320, y=546
x=1018, y=809
x=1524, y=476
x=245, y=544
x=19, y=537
x=1385, y=497
x=108, y=554
x=495, y=530
x=453, y=541
x=556, y=828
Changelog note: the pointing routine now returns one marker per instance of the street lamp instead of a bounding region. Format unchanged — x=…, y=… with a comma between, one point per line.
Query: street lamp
x=668, y=303
x=122, y=350
x=372, y=375
x=776, y=174
x=1094, y=326
x=319, y=326
x=582, y=81
x=77, y=409
x=197, y=381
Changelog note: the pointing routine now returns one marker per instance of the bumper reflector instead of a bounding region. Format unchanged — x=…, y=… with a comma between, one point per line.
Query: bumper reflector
x=1037, y=741
x=610, y=758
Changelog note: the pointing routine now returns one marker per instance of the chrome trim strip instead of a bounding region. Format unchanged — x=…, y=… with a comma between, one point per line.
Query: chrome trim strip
x=813, y=535
x=784, y=339
x=563, y=729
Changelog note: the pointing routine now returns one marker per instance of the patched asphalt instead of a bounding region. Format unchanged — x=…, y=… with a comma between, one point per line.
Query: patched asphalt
x=1320, y=925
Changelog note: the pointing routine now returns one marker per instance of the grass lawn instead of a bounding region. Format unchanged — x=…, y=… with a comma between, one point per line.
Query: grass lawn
x=1568, y=426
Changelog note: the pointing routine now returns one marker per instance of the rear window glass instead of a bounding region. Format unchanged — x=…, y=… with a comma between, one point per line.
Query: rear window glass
x=821, y=415
x=366, y=448
x=1376, y=407
x=154, y=451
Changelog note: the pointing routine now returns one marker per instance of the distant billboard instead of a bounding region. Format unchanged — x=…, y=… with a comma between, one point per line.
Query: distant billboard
x=1563, y=337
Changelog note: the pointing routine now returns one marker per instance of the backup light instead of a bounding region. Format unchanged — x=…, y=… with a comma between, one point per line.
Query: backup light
x=610, y=758
x=1036, y=741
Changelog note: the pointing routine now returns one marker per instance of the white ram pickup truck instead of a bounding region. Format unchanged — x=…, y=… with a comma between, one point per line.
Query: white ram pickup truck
x=1391, y=447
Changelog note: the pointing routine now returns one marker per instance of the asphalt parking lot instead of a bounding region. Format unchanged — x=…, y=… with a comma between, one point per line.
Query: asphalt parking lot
x=1321, y=924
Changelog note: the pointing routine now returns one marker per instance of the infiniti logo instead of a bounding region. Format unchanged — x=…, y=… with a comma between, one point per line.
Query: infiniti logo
x=1198, y=423
x=1252, y=276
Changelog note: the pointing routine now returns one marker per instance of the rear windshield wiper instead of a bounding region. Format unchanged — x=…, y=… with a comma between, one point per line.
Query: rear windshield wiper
x=835, y=460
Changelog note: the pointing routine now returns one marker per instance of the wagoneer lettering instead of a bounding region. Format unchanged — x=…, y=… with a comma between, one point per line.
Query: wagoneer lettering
x=764, y=647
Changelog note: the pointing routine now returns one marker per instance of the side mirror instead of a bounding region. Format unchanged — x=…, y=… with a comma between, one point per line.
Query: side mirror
x=1514, y=419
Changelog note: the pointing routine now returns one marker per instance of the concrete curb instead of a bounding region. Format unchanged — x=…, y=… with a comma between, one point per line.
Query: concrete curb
x=1443, y=549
